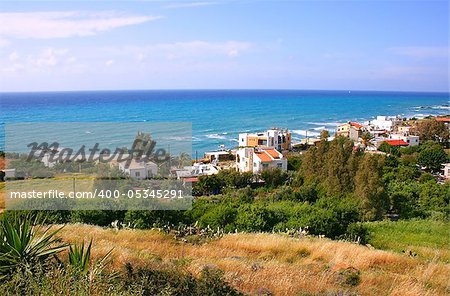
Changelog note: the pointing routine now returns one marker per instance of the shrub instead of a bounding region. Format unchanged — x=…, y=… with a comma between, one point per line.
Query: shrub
x=95, y=217
x=254, y=217
x=222, y=215
x=274, y=177
x=24, y=244
x=357, y=232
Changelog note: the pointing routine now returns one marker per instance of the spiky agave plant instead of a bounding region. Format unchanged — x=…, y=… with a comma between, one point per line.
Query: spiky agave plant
x=80, y=260
x=24, y=243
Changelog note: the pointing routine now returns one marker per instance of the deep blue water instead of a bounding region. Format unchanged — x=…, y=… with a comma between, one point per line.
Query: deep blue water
x=218, y=116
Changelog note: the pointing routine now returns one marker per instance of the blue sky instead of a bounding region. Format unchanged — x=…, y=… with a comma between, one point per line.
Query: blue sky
x=354, y=45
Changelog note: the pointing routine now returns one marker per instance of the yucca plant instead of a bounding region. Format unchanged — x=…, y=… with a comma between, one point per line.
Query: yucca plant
x=25, y=243
x=80, y=260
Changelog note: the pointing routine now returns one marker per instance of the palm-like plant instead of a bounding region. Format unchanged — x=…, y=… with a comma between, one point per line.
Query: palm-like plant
x=24, y=244
x=80, y=260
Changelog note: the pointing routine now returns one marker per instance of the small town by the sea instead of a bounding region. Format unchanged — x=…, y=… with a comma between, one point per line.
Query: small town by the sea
x=261, y=150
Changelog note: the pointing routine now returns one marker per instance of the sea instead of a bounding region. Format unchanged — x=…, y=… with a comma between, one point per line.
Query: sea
x=218, y=116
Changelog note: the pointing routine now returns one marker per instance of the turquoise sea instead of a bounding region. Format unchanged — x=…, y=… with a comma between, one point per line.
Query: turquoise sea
x=217, y=116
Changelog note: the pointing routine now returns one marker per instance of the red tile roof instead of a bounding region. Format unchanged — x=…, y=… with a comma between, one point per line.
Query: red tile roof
x=263, y=156
x=355, y=124
x=443, y=119
x=396, y=142
x=273, y=153
x=192, y=179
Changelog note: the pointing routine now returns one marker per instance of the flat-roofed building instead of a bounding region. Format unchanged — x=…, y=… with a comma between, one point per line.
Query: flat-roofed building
x=276, y=138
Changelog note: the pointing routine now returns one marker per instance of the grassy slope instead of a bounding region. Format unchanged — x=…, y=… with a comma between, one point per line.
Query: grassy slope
x=428, y=239
x=284, y=265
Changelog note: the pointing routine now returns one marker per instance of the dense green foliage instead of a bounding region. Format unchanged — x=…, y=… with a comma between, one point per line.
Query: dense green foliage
x=422, y=237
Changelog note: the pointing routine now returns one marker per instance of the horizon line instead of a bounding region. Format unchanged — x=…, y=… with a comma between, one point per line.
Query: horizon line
x=227, y=89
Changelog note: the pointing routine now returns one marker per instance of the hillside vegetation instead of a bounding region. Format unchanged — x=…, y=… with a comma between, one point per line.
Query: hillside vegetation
x=261, y=263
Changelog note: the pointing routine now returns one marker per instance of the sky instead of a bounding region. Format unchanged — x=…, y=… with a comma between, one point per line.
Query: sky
x=395, y=45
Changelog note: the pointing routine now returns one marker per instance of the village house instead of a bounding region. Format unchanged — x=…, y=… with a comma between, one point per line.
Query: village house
x=138, y=170
x=409, y=139
x=255, y=160
x=401, y=129
x=445, y=120
x=384, y=122
x=276, y=138
x=191, y=173
x=446, y=170
x=351, y=130
x=218, y=156
x=9, y=174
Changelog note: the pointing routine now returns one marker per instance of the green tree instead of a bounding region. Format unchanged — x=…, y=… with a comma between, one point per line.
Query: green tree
x=369, y=187
x=431, y=129
x=274, y=177
x=432, y=157
x=253, y=217
x=208, y=185
x=366, y=137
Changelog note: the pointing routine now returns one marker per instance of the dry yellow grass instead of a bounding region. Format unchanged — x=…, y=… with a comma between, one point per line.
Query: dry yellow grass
x=2, y=196
x=283, y=265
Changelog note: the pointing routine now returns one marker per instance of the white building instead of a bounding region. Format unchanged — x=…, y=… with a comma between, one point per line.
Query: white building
x=446, y=170
x=385, y=122
x=198, y=169
x=220, y=155
x=256, y=160
x=276, y=138
x=9, y=173
x=411, y=140
x=139, y=170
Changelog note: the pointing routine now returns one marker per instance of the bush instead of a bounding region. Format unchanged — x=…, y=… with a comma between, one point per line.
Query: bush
x=274, y=177
x=222, y=215
x=432, y=157
x=254, y=217
x=95, y=217
x=357, y=232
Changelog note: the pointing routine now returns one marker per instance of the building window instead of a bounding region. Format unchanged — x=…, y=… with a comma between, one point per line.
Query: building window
x=137, y=174
x=279, y=165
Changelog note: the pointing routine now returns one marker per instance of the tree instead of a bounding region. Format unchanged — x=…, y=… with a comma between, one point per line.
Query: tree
x=431, y=129
x=366, y=137
x=432, y=157
x=369, y=187
x=274, y=177
x=389, y=149
x=324, y=135
x=208, y=185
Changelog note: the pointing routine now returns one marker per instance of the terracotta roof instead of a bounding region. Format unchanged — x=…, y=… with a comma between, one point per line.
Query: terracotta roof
x=355, y=124
x=263, y=156
x=192, y=179
x=396, y=142
x=273, y=153
x=443, y=119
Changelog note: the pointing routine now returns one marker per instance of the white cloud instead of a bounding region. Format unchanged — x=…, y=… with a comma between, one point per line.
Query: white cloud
x=193, y=49
x=109, y=62
x=421, y=51
x=48, y=58
x=14, y=56
x=190, y=4
x=64, y=24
